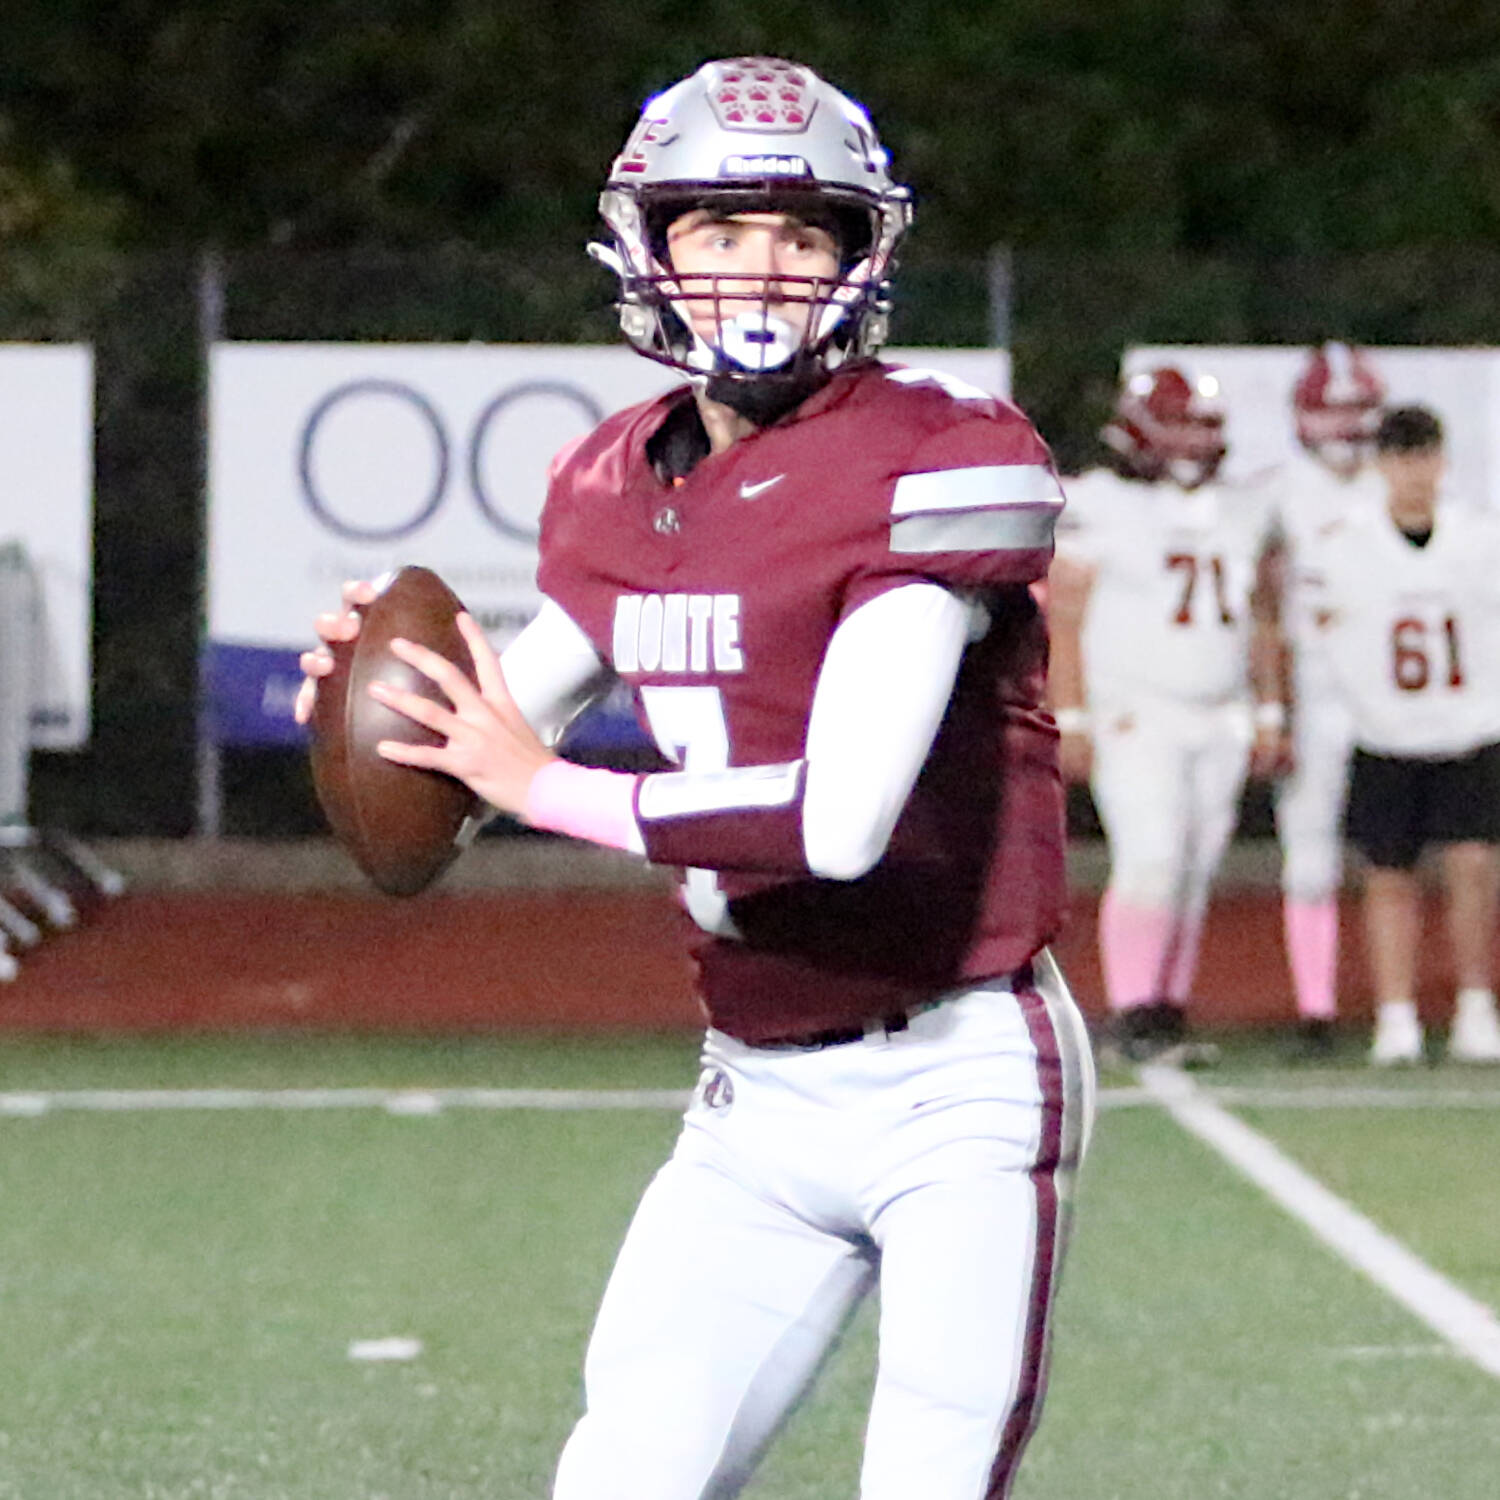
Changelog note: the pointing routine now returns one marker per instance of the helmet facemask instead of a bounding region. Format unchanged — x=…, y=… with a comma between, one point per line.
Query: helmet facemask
x=1341, y=438
x=828, y=171
x=742, y=333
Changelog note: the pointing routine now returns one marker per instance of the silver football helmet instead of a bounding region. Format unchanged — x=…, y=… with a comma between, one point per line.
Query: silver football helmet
x=743, y=135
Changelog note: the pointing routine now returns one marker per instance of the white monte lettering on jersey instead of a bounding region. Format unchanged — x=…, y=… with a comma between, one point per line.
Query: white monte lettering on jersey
x=748, y=490
x=764, y=166
x=677, y=633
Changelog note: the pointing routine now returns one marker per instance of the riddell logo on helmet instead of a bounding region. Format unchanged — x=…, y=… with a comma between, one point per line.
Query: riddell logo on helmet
x=764, y=166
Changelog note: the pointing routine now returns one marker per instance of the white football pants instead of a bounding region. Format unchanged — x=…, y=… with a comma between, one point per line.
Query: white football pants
x=1310, y=802
x=937, y=1162
x=1166, y=782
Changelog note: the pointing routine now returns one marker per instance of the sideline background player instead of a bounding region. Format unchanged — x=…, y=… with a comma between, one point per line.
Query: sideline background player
x=1407, y=594
x=1158, y=602
x=1336, y=407
x=812, y=570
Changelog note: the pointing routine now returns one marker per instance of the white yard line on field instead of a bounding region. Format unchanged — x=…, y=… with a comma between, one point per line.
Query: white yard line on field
x=394, y=1101
x=1466, y=1323
x=1355, y=1096
x=1319, y=1096
x=28, y=1103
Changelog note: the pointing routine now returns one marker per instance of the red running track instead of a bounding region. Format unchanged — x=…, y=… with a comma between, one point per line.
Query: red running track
x=587, y=959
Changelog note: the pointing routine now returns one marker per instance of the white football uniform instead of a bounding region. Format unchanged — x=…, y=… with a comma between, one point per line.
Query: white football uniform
x=1169, y=612
x=1413, y=633
x=1166, y=645
x=1311, y=499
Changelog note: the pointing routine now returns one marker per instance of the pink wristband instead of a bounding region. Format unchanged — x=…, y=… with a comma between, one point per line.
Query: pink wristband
x=584, y=803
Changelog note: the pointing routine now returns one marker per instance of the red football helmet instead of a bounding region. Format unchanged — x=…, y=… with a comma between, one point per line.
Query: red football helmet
x=1167, y=427
x=1336, y=402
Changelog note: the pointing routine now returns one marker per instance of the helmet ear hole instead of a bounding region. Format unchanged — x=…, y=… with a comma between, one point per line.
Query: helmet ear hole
x=854, y=228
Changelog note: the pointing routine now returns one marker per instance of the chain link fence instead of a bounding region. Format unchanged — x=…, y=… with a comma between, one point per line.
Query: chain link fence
x=1065, y=316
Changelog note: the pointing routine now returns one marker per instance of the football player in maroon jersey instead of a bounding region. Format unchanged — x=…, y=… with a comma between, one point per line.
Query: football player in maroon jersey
x=812, y=569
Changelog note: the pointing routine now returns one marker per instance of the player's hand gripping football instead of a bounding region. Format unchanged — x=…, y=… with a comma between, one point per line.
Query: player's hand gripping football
x=488, y=745
x=331, y=629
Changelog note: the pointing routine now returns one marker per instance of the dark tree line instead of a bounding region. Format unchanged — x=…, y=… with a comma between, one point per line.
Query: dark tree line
x=1204, y=125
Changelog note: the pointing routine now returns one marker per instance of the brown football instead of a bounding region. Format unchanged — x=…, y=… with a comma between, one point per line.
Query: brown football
x=402, y=824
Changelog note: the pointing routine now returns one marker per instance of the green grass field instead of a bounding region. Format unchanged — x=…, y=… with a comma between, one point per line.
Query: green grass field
x=179, y=1287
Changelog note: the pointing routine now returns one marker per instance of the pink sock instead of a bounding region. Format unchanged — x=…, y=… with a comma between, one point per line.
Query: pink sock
x=1312, y=948
x=1132, y=949
x=1179, y=985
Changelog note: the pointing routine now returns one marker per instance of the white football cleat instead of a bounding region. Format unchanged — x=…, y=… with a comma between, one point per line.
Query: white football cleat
x=1398, y=1035
x=1474, y=1036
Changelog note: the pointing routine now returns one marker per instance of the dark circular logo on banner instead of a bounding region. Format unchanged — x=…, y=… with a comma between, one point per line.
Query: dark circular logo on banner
x=493, y=507
x=500, y=511
x=424, y=508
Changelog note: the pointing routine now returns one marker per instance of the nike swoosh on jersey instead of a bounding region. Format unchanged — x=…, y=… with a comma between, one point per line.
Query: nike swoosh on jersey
x=748, y=490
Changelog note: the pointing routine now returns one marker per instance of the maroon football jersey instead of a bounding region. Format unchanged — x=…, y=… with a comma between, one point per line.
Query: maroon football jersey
x=716, y=596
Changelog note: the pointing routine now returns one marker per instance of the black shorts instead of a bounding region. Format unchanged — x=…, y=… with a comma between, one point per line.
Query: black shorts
x=1399, y=805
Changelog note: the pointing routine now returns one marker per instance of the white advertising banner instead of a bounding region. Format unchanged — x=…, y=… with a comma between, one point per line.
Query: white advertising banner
x=46, y=505
x=337, y=461
x=1460, y=385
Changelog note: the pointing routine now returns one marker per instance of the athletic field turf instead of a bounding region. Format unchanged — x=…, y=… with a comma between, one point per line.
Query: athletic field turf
x=195, y=1236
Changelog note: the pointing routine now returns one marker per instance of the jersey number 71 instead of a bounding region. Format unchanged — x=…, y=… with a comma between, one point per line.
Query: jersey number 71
x=1189, y=565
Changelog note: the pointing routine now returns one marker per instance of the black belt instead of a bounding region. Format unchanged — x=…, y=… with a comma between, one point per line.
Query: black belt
x=840, y=1036
x=898, y=1020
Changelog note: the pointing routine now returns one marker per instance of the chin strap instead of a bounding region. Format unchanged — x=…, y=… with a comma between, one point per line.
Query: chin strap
x=763, y=401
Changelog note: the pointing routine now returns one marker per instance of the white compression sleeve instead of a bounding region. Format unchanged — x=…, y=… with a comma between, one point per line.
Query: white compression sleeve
x=551, y=669
x=881, y=694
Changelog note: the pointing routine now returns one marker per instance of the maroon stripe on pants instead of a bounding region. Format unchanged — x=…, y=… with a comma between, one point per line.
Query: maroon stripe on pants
x=1027, y=1410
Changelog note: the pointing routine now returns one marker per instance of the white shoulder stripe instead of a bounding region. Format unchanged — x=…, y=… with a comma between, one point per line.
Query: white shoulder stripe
x=1011, y=528
x=681, y=794
x=974, y=488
